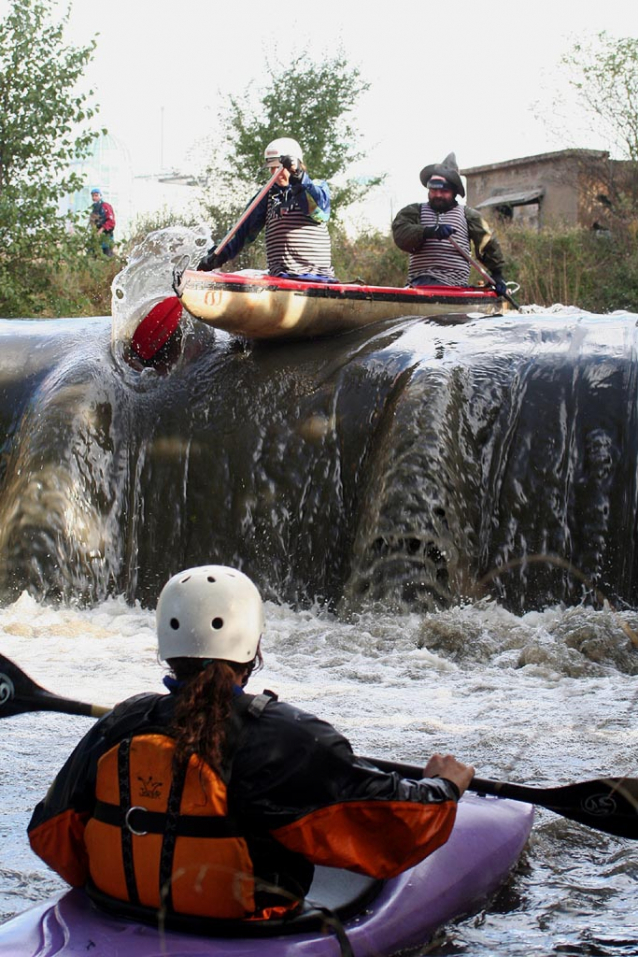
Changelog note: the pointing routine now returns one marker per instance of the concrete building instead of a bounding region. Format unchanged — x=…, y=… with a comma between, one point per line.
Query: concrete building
x=570, y=187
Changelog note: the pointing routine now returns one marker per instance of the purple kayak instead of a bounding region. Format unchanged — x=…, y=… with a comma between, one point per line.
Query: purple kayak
x=379, y=918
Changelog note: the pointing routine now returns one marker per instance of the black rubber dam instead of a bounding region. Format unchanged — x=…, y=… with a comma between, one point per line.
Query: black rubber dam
x=416, y=463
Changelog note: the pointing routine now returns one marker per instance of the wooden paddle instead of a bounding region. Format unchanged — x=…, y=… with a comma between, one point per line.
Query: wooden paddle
x=160, y=323
x=481, y=270
x=605, y=804
x=246, y=213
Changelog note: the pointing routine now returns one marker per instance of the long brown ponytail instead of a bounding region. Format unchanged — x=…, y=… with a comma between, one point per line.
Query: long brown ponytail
x=203, y=706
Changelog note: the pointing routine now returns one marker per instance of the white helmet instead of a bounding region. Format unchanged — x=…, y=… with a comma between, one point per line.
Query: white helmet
x=209, y=612
x=283, y=146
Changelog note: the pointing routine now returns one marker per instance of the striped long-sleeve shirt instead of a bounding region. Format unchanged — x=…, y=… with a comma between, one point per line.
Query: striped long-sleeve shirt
x=407, y=230
x=297, y=238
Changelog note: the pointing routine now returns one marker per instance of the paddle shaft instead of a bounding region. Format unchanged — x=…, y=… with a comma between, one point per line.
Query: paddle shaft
x=607, y=804
x=246, y=213
x=478, y=785
x=480, y=269
x=47, y=702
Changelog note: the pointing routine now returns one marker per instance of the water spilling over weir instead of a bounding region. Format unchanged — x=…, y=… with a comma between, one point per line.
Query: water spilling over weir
x=414, y=463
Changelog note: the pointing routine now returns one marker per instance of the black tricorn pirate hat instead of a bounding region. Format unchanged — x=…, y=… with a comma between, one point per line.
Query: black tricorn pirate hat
x=448, y=169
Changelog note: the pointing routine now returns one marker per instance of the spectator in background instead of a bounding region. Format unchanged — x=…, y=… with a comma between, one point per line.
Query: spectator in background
x=103, y=219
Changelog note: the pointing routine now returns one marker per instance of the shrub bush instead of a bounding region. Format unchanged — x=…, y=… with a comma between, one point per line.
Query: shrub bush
x=595, y=271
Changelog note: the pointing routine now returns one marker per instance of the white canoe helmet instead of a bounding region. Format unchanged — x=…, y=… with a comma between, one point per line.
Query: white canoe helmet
x=283, y=146
x=209, y=612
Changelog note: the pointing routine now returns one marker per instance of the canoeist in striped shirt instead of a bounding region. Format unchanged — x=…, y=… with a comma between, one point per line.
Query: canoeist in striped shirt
x=294, y=212
x=425, y=229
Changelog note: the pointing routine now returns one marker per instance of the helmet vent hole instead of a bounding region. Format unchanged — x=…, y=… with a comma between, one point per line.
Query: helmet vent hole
x=217, y=623
x=174, y=623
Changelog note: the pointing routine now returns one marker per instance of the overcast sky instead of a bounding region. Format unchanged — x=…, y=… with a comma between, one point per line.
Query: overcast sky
x=461, y=76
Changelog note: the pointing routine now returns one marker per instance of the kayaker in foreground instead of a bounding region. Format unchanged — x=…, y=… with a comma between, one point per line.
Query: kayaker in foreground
x=424, y=231
x=294, y=211
x=213, y=802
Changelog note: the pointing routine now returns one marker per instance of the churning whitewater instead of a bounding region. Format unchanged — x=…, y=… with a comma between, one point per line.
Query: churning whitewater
x=544, y=698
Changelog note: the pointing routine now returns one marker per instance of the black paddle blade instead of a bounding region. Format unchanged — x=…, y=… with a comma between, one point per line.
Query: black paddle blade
x=20, y=694
x=606, y=804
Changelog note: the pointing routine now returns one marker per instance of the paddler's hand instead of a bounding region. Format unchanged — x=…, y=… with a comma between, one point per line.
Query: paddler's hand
x=210, y=261
x=442, y=231
x=292, y=165
x=447, y=766
x=500, y=286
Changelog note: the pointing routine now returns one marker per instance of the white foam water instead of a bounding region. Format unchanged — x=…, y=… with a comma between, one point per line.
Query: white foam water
x=544, y=699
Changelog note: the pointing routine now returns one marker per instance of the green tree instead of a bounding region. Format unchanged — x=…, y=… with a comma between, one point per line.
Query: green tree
x=314, y=102
x=43, y=129
x=604, y=75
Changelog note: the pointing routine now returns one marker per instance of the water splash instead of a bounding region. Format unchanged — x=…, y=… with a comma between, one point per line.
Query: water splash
x=147, y=278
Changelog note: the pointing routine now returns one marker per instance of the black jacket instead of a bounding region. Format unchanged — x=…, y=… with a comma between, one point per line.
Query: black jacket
x=301, y=795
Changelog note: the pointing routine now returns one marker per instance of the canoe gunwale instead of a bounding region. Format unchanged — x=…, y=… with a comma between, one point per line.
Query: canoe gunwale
x=444, y=295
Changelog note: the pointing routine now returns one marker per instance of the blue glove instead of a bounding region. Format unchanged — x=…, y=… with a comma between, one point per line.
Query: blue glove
x=210, y=261
x=500, y=286
x=442, y=231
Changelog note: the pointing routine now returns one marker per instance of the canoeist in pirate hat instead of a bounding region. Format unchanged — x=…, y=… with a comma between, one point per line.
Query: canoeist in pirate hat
x=439, y=233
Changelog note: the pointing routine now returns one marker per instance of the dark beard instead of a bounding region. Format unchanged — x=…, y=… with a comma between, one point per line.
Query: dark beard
x=442, y=205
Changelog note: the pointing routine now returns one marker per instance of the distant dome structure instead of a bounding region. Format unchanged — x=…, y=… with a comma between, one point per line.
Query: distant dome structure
x=107, y=167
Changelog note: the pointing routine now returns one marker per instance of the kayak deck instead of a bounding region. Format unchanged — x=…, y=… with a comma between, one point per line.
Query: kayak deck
x=267, y=307
x=486, y=841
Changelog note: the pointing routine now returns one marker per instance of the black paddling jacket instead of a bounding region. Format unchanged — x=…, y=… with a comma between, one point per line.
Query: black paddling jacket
x=122, y=818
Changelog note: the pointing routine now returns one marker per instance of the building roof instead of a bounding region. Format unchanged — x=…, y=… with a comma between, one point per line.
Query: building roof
x=539, y=158
x=522, y=198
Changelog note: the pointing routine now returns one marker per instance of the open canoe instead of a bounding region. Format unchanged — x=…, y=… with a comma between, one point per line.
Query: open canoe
x=379, y=918
x=266, y=307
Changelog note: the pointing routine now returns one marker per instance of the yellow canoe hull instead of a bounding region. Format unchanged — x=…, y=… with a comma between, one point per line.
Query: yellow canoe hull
x=266, y=307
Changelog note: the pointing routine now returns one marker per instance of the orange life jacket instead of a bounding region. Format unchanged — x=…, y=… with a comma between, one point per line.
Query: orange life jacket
x=162, y=838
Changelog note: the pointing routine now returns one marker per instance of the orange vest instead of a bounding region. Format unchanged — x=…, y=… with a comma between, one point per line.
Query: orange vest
x=162, y=838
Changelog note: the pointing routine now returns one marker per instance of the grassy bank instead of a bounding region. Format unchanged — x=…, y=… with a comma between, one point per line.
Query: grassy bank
x=79, y=286
x=576, y=267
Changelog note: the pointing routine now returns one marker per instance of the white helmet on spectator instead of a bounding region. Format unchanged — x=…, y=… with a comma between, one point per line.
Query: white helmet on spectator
x=283, y=146
x=209, y=612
